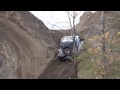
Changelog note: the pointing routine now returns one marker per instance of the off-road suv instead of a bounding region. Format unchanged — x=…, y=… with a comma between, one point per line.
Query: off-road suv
x=66, y=46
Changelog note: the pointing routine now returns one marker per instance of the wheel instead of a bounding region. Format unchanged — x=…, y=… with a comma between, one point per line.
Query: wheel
x=67, y=51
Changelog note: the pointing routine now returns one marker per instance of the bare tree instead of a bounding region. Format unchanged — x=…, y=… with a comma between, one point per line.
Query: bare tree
x=105, y=63
x=73, y=33
x=103, y=32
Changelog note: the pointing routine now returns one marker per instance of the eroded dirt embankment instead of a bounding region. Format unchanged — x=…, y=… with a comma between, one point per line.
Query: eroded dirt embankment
x=31, y=51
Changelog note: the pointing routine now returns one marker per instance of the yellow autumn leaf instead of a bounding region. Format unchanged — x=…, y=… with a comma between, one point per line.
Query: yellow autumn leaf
x=90, y=50
x=106, y=34
x=96, y=50
x=13, y=59
x=90, y=39
x=118, y=33
x=7, y=56
x=96, y=37
x=103, y=67
x=95, y=73
x=102, y=73
x=111, y=58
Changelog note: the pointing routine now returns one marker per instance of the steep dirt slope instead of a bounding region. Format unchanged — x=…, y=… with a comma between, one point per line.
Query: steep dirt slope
x=26, y=46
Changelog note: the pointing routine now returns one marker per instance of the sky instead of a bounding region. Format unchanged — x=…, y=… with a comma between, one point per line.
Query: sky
x=57, y=19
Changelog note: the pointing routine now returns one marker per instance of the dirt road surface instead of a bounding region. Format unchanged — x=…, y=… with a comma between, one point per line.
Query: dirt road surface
x=59, y=70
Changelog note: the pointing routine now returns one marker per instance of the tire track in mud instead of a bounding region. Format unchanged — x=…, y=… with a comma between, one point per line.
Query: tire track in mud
x=59, y=69
x=18, y=43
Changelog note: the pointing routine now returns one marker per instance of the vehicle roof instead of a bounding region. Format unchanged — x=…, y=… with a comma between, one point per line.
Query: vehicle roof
x=68, y=38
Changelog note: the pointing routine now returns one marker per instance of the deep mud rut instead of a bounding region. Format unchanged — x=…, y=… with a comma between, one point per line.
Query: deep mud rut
x=59, y=70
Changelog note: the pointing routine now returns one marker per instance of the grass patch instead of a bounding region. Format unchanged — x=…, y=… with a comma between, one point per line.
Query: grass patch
x=115, y=70
x=86, y=67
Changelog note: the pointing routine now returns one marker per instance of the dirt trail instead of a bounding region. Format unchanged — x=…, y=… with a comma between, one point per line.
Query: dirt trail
x=59, y=70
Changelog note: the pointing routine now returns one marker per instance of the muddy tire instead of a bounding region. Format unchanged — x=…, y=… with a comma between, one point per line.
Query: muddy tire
x=67, y=51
